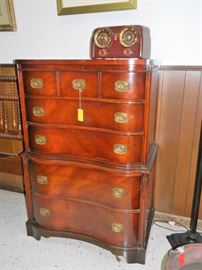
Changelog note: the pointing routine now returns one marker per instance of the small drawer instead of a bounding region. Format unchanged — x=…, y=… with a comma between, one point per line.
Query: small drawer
x=89, y=184
x=122, y=85
x=74, y=82
x=114, y=227
x=115, y=116
x=87, y=144
x=40, y=83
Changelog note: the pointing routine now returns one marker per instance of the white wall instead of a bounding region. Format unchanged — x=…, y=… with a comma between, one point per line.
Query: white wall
x=176, y=30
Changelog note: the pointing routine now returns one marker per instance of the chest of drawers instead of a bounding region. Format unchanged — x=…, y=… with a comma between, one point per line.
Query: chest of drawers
x=90, y=177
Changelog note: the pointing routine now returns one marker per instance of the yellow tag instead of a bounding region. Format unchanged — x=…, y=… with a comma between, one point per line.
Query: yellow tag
x=80, y=115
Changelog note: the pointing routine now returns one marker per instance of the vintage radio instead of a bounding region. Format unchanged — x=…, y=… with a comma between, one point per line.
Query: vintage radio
x=127, y=41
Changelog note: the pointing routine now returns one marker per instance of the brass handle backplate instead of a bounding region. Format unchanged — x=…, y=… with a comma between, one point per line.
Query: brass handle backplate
x=42, y=180
x=44, y=212
x=117, y=227
x=122, y=86
x=79, y=84
x=118, y=192
x=36, y=83
x=38, y=111
x=120, y=149
x=40, y=139
x=121, y=117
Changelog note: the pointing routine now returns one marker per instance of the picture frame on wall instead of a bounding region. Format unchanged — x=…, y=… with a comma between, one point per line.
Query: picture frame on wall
x=7, y=16
x=67, y=7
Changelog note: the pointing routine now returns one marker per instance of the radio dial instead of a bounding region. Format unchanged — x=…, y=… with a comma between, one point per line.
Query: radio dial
x=128, y=37
x=102, y=38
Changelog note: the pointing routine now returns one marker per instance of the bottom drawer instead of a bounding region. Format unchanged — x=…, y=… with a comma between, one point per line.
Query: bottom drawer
x=116, y=227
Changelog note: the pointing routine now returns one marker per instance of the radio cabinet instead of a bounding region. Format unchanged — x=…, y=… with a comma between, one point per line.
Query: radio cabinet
x=88, y=129
x=125, y=41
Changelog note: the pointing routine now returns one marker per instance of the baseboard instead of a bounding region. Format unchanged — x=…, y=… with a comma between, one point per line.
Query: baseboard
x=179, y=219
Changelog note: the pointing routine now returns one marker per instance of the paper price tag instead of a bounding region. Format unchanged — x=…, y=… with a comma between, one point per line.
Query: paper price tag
x=80, y=115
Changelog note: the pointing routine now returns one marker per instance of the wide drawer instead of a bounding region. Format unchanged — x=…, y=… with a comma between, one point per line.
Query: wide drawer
x=120, y=85
x=85, y=143
x=117, y=116
x=88, y=184
x=40, y=83
x=111, y=226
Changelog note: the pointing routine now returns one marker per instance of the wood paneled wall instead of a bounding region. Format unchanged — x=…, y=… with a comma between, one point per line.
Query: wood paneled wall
x=10, y=130
x=178, y=129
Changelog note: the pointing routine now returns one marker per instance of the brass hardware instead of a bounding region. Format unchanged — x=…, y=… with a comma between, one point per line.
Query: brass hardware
x=40, y=139
x=128, y=37
x=121, y=117
x=44, y=212
x=79, y=84
x=122, y=86
x=117, y=228
x=42, y=180
x=118, y=192
x=38, y=111
x=36, y=83
x=120, y=149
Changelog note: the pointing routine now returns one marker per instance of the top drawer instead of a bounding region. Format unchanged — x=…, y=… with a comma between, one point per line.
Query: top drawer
x=68, y=83
x=89, y=84
x=123, y=85
x=42, y=83
x=73, y=82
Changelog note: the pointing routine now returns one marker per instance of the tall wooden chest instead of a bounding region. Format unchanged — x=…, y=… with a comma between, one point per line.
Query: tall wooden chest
x=88, y=129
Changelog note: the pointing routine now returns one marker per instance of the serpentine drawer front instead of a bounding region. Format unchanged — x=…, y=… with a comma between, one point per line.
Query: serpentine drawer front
x=88, y=129
x=116, y=227
x=75, y=182
x=122, y=116
x=116, y=148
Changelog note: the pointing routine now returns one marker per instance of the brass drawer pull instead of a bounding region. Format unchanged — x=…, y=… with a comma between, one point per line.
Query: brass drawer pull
x=121, y=117
x=120, y=149
x=40, y=139
x=79, y=84
x=38, y=111
x=36, y=83
x=42, y=180
x=44, y=212
x=118, y=192
x=117, y=228
x=122, y=86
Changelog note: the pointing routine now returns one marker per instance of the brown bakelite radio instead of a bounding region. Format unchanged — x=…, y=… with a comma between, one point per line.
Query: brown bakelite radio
x=127, y=41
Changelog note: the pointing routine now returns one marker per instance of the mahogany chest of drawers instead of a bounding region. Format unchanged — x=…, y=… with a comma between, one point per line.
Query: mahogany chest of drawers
x=89, y=150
